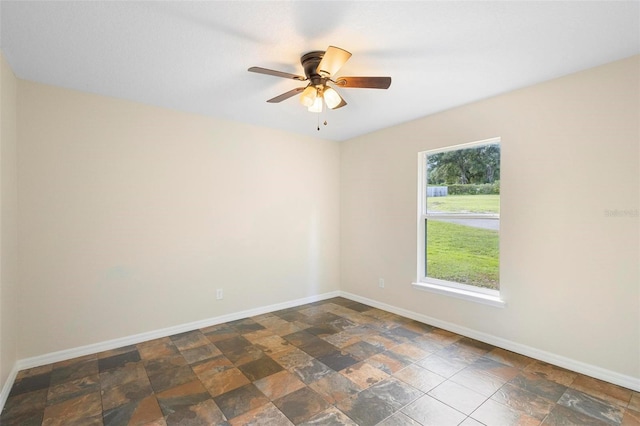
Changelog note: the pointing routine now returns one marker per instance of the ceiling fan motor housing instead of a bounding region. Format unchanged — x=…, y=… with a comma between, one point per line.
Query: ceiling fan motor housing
x=310, y=62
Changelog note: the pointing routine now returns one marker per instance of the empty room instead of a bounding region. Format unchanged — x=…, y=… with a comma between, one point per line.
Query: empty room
x=319, y=213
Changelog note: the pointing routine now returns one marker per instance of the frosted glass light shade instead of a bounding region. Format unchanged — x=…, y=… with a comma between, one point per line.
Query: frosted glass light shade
x=332, y=98
x=308, y=96
x=317, y=105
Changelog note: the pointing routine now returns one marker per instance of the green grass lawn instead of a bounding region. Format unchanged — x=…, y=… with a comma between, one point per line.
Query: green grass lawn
x=489, y=203
x=462, y=254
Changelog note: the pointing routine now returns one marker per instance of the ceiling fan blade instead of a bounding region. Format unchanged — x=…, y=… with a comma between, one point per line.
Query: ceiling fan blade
x=334, y=58
x=341, y=104
x=267, y=71
x=364, y=82
x=286, y=95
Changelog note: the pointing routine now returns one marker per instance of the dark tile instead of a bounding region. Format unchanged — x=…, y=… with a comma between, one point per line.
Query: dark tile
x=299, y=338
x=25, y=408
x=592, y=406
x=73, y=389
x=240, y=400
x=165, y=379
x=126, y=393
x=263, y=367
x=318, y=348
x=189, y=403
x=395, y=392
x=117, y=361
x=72, y=371
x=322, y=330
x=335, y=387
x=189, y=340
x=30, y=384
x=358, y=307
x=540, y=386
x=246, y=325
x=300, y=405
x=338, y=360
x=366, y=408
x=362, y=350
x=311, y=371
x=239, y=350
x=140, y=412
x=223, y=381
x=401, y=334
x=523, y=400
x=200, y=353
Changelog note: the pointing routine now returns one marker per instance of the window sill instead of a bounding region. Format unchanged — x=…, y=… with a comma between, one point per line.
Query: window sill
x=471, y=296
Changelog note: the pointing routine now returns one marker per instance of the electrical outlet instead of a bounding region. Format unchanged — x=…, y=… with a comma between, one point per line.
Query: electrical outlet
x=219, y=294
x=381, y=282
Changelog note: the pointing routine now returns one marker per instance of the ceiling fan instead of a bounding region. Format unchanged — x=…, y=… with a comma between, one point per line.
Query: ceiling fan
x=319, y=69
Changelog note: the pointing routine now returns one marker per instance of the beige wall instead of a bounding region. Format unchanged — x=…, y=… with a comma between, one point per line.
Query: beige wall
x=569, y=273
x=132, y=216
x=8, y=220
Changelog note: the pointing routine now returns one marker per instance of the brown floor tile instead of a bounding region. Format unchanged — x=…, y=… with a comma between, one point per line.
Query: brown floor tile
x=66, y=372
x=509, y=358
x=200, y=353
x=279, y=384
x=603, y=390
x=73, y=389
x=524, y=401
x=551, y=372
x=634, y=403
x=141, y=412
x=85, y=408
x=260, y=368
x=241, y=400
x=224, y=381
x=25, y=408
x=331, y=362
x=301, y=405
x=266, y=415
x=335, y=387
x=189, y=340
x=631, y=418
x=189, y=403
x=364, y=374
x=592, y=406
x=157, y=349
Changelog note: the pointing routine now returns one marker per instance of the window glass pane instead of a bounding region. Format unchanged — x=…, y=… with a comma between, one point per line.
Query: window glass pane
x=464, y=181
x=464, y=251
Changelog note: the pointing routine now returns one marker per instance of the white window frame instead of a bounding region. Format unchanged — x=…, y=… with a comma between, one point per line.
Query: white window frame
x=462, y=291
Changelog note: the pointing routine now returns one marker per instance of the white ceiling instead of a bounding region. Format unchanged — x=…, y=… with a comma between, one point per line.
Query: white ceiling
x=193, y=56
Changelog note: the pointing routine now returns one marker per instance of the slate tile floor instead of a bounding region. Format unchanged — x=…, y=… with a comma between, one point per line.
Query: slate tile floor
x=334, y=362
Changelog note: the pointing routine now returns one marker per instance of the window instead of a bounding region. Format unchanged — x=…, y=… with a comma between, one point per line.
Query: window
x=459, y=221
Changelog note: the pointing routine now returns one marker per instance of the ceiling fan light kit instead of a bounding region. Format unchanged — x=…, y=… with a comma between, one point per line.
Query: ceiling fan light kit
x=319, y=67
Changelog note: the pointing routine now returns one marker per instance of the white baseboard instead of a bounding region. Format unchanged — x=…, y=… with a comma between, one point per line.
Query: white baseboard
x=67, y=354
x=8, y=384
x=626, y=381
